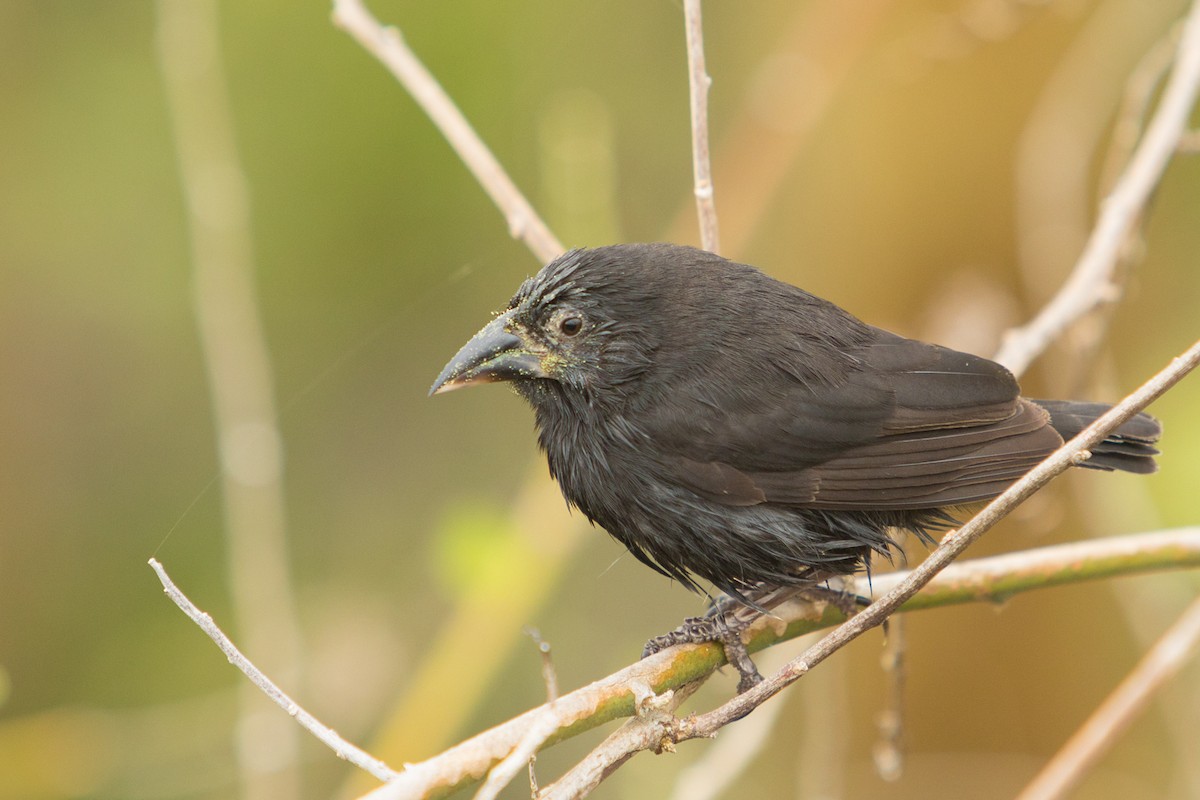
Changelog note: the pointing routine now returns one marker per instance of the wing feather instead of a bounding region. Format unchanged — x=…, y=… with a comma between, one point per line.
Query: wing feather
x=906, y=425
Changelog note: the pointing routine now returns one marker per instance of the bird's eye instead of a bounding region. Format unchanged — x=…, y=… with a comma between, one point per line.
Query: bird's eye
x=570, y=325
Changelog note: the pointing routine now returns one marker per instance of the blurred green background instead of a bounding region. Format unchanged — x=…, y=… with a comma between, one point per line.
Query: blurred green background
x=932, y=166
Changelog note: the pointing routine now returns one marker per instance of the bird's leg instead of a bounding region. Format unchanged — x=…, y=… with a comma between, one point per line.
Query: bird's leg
x=729, y=634
x=728, y=618
x=725, y=622
x=721, y=626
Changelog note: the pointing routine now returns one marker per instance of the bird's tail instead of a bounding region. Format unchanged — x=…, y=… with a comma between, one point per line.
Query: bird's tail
x=1130, y=448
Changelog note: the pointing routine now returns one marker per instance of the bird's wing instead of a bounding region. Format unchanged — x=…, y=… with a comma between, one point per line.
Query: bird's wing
x=905, y=425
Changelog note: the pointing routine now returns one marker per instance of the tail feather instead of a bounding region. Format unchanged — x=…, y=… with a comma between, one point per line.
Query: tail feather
x=1130, y=448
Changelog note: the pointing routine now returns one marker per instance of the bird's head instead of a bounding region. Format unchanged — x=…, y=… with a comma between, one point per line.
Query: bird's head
x=584, y=325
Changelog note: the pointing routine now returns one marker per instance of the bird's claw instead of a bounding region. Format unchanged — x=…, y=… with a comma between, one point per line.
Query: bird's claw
x=728, y=618
x=712, y=628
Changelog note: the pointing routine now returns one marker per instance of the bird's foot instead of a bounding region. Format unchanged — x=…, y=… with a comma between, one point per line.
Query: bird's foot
x=728, y=618
x=713, y=628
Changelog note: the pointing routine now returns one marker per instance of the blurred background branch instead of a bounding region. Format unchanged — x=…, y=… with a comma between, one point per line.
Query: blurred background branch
x=1091, y=283
x=387, y=45
x=699, y=83
x=1110, y=719
x=234, y=347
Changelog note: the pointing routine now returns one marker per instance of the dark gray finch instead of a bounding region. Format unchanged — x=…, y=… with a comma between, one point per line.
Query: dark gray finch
x=730, y=428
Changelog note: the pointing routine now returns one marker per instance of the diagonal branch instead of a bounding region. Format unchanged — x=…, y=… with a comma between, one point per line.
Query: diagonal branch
x=343, y=749
x=1169, y=655
x=387, y=45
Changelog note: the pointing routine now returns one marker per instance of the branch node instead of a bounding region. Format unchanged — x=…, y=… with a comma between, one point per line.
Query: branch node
x=649, y=705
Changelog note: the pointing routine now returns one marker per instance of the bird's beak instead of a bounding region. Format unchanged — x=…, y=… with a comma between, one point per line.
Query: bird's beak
x=496, y=353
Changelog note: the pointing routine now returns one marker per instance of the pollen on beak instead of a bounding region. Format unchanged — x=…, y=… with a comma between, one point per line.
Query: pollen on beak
x=496, y=353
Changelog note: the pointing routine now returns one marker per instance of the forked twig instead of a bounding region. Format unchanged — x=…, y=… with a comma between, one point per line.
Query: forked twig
x=1087, y=286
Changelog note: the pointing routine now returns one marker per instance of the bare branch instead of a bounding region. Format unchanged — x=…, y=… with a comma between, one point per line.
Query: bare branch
x=387, y=45
x=989, y=579
x=1169, y=654
x=1087, y=286
x=654, y=728
x=328, y=736
x=698, y=85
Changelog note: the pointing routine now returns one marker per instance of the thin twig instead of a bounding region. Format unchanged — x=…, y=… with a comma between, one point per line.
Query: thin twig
x=1101, y=730
x=1087, y=285
x=328, y=736
x=833, y=38
x=387, y=45
x=604, y=762
x=549, y=676
x=993, y=579
x=698, y=86
x=542, y=728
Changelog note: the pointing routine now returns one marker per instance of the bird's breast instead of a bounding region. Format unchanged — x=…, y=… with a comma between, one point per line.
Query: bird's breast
x=594, y=459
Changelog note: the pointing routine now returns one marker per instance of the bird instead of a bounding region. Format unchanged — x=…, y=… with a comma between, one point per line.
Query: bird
x=734, y=430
